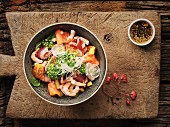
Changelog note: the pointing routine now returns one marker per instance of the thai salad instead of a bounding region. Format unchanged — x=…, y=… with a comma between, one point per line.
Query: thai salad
x=66, y=63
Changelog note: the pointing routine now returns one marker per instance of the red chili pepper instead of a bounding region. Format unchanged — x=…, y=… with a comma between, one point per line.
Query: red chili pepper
x=108, y=79
x=127, y=101
x=133, y=95
x=115, y=76
x=123, y=78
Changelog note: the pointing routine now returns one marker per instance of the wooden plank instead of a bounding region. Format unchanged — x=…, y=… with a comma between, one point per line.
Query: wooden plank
x=164, y=24
x=165, y=88
x=147, y=5
x=79, y=6
x=165, y=29
x=3, y=25
x=2, y=111
x=141, y=110
x=157, y=122
x=164, y=96
x=89, y=123
x=165, y=36
x=164, y=103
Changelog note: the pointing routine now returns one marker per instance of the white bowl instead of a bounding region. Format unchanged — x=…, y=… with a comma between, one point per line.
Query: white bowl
x=153, y=30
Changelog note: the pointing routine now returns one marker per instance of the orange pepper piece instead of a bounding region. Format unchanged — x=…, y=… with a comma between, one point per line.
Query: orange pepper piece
x=91, y=59
x=53, y=89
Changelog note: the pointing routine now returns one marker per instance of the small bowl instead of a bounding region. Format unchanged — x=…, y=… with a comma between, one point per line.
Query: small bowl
x=42, y=91
x=146, y=42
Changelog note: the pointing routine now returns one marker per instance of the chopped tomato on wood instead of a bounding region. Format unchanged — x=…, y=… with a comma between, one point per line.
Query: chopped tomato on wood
x=61, y=36
x=52, y=88
x=38, y=71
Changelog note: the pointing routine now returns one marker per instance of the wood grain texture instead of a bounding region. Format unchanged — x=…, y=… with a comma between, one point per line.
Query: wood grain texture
x=35, y=5
x=140, y=64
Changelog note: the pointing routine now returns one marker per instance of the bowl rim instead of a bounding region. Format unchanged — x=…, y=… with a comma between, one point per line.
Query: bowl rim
x=153, y=34
x=69, y=23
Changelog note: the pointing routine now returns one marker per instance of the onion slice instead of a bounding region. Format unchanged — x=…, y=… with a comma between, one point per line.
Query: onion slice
x=92, y=71
x=58, y=49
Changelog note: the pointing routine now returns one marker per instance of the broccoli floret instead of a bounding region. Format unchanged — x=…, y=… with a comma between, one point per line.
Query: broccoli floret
x=46, y=42
x=82, y=69
x=52, y=71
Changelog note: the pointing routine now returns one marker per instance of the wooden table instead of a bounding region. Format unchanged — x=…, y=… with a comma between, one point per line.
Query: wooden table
x=6, y=83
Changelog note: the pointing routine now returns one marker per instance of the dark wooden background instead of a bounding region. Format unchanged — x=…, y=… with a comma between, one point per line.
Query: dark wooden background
x=6, y=83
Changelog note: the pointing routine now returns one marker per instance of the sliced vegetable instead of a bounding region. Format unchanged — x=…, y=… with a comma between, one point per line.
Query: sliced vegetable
x=58, y=49
x=92, y=71
x=57, y=84
x=82, y=89
x=89, y=84
x=91, y=49
x=35, y=82
x=53, y=89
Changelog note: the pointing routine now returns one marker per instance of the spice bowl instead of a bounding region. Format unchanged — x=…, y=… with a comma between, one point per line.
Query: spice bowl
x=141, y=32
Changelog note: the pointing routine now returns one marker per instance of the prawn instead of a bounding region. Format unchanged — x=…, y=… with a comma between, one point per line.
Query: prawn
x=72, y=33
x=76, y=83
x=65, y=88
x=73, y=90
x=69, y=89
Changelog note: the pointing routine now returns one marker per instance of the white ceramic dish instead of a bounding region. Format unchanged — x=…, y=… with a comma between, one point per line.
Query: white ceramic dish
x=153, y=32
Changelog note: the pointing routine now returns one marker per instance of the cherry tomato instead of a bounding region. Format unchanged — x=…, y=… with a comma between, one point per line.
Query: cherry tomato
x=38, y=71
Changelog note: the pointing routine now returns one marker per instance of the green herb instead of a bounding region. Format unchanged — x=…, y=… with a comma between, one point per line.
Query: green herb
x=82, y=69
x=35, y=82
x=46, y=42
x=38, y=45
x=53, y=71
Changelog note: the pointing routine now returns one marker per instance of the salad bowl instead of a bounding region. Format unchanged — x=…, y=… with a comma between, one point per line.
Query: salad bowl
x=42, y=89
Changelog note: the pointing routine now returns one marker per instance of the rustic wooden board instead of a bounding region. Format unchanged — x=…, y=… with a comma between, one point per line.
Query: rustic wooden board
x=140, y=64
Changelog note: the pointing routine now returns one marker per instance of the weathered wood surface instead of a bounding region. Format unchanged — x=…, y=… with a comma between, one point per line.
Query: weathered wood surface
x=124, y=57
x=163, y=118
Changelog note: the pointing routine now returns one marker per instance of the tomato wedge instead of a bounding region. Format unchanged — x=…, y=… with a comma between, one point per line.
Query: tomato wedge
x=61, y=36
x=38, y=71
x=52, y=88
